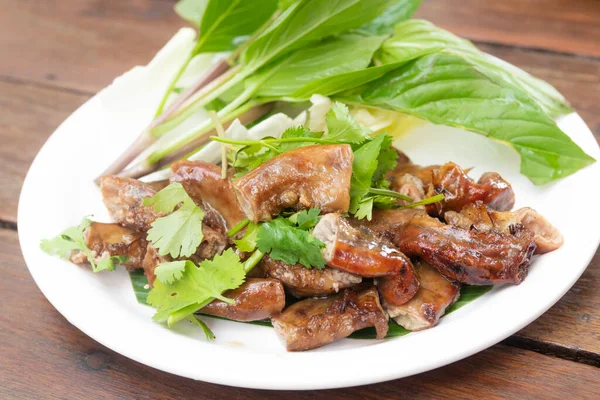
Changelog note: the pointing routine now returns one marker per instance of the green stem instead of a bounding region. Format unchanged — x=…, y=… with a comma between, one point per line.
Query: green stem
x=390, y=193
x=238, y=227
x=429, y=200
x=192, y=308
x=264, y=142
x=172, y=84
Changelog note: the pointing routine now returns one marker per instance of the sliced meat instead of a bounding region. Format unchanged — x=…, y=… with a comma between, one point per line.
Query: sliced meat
x=411, y=186
x=313, y=323
x=313, y=176
x=108, y=240
x=151, y=260
x=303, y=282
x=468, y=256
x=458, y=189
x=477, y=216
x=202, y=181
x=399, y=288
x=124, y=198
x=255, y=299
x=357, y=250
x=424, y=310
x=387, y=223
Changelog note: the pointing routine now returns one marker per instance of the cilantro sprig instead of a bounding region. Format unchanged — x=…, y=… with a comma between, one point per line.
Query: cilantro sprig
x=180, y=232
x=73, y=238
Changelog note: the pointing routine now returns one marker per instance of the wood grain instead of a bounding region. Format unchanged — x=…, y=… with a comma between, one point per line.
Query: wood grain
x=63, y=363
x=561, y=25
x=29, y=115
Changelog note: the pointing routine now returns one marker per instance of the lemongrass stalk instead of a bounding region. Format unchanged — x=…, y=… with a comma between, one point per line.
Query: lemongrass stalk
x=172, y=84
x=178, y=315
x=221, y=133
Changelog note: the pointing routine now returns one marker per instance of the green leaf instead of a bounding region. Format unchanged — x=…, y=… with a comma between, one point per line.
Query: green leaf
x=365, y=208
x=386, y=160
x=468, y=293
x=384, y=23
x=290, y=244
x=416, y=38
x=306, y=219
x=224, y=24
x=169, y=272
x=168, y=198
x=248, y=242
x=447, y=89
x=342, y=127
x=198, y=322
x=179, y=233
x=198, y=285
x=139, y=283
x=363, y=169
x=305, y=23
x=332, y=57
x=110, y=263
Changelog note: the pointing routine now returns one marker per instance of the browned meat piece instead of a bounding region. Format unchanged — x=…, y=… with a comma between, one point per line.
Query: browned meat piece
x=468, y=256
x=458, y=189
x=202, y=181
x=107, y=240
x=357, y=250
x=255, y=299
x=303, y=282
x=424, y=310
x=313, y=176
x=411, y=186
x=547, y=237
x=213, y=243
x=399, y=288
x=151, y=260
x=387, y=222
x=313, y=323
x=124, y=199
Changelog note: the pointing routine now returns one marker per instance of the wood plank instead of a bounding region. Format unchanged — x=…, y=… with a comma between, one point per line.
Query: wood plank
x=29, y=115
x=82, y=44
x=559, y=25
x=63, y=363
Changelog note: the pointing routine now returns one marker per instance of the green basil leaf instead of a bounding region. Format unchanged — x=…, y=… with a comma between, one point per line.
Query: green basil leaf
x=415, y=38
x=447, y=89
x=397, y=12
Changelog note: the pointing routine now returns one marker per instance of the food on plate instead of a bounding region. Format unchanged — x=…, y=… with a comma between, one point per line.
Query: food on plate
x=311, y=219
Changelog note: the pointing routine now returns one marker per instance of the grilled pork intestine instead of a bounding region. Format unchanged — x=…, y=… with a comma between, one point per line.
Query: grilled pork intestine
x=303, y=282
x=203, y=183
x=424, y=310
x=254, y=300
x=477, y=216
x=313, y=176
x=313, y=323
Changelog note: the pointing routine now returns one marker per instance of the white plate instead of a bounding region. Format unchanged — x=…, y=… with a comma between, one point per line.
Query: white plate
x=58, y=191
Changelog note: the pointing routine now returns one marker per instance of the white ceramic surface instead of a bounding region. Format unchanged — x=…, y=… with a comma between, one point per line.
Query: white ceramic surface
x=58, y=191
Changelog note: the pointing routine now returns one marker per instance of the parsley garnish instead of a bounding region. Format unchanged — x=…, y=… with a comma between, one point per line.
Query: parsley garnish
x=72, y=239
x=179, y=233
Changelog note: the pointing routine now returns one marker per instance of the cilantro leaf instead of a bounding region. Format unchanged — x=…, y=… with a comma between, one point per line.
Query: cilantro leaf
x=363, y=168
x=365, y=209
x=386, y=160
x=298, y=131
x=306, y=219
x=169, y=272
x=288, y=243
x=198, y=285
x=109, y=264
x=342, y=127
x=248, y=242
x=71, y=239
x=179, y=233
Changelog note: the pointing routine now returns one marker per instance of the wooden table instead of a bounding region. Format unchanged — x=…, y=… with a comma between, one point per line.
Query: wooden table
x=57, y=54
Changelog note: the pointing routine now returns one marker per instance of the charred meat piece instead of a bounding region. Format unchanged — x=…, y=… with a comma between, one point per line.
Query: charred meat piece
x=124, y=198
x=424, y=310
x=255, y=299
x=202, y=181
x=151, y=260
x=458, y=189
x=387, y=222
x=468, y=256
x=477, y=216
x=399, y=288
x=357, y=250
x=107, y=240
x=303, y=282
x=313, y=323
x=313, y=176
